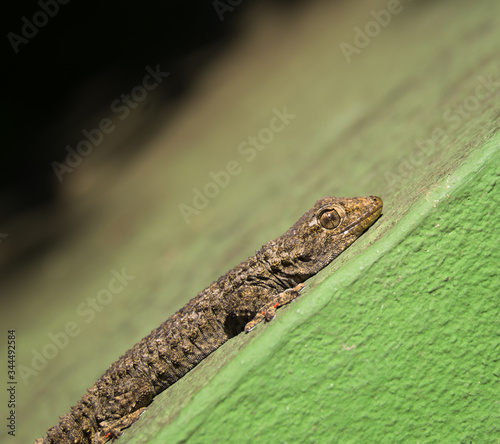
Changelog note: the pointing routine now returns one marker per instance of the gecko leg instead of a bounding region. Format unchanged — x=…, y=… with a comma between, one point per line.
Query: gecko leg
x=269, y=311
x=113, y=429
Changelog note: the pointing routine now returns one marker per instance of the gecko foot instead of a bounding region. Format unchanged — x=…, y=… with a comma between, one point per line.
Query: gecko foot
x=269, y=311
x=112, y=430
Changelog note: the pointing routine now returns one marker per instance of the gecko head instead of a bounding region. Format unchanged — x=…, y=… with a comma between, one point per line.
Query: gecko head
x=321, y=234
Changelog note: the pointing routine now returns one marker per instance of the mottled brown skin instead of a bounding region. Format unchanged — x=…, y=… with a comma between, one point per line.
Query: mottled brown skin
x=235, y=303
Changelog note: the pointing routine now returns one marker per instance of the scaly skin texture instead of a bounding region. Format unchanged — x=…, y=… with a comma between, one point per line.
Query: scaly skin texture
x=235, y=303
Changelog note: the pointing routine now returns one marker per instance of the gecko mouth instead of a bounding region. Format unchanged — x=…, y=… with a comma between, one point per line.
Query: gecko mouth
x=367, y=219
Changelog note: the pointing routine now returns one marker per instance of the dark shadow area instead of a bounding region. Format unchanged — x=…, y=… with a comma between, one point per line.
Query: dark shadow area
x=66, y=62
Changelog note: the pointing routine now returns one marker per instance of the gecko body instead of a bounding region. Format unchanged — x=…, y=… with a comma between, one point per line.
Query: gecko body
x=236, y=302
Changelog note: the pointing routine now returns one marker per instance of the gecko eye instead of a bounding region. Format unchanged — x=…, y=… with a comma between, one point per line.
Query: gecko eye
x=329, y=219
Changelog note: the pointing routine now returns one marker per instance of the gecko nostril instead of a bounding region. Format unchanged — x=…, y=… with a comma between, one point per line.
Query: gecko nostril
x=377, y=201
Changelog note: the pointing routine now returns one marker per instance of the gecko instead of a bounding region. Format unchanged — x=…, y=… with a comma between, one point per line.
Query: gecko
x=235, y=303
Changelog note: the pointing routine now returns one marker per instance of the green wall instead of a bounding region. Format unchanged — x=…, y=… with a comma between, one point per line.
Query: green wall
x=399, y=345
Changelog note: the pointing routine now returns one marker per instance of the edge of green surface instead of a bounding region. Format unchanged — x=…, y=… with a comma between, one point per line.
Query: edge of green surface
x=258, y=348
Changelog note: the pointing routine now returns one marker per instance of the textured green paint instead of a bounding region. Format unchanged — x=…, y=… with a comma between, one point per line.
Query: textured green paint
x=400, y=345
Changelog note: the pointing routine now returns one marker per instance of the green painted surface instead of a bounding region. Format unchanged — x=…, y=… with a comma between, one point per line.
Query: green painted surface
x=400, y=345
